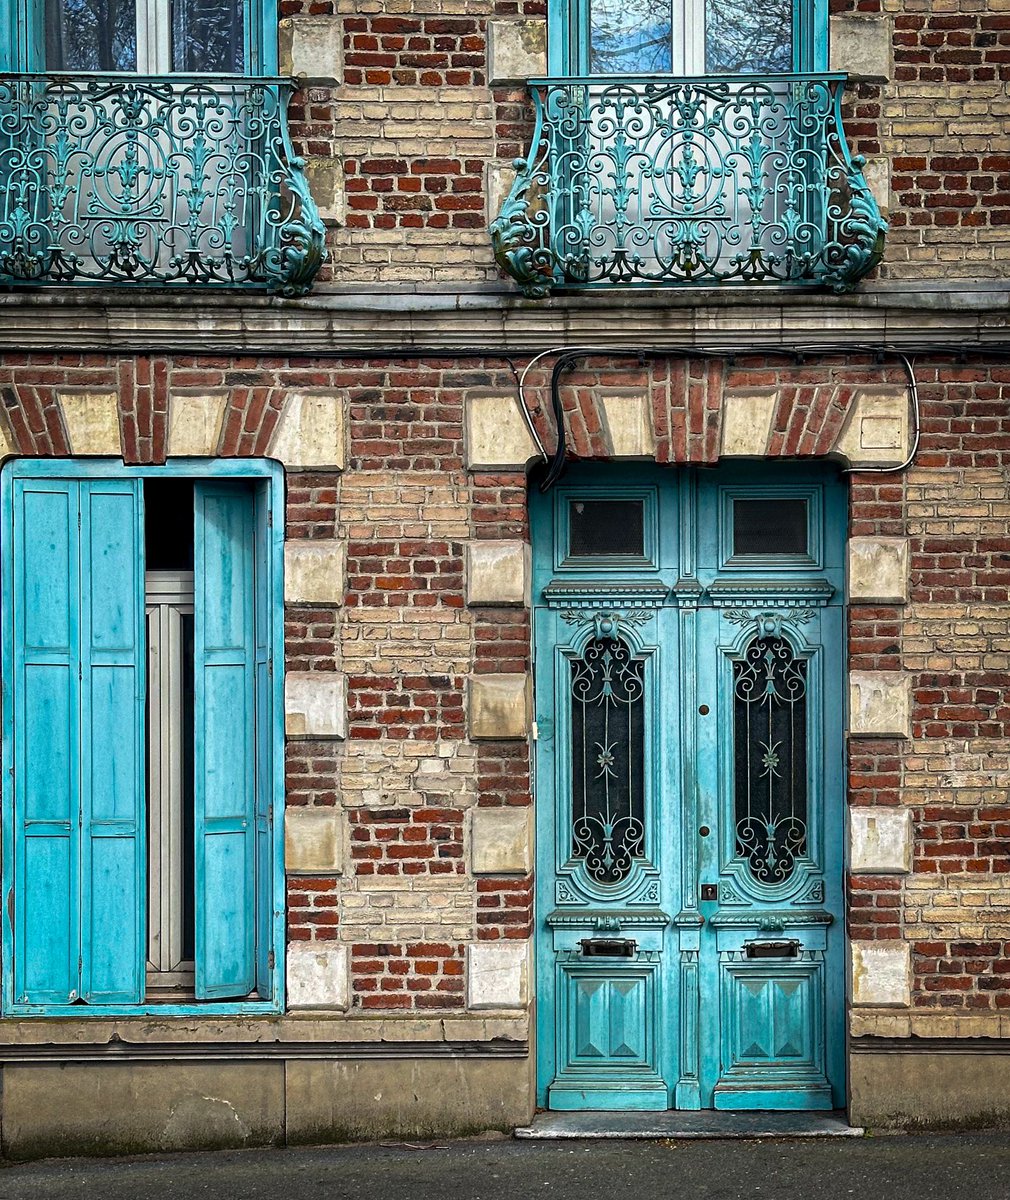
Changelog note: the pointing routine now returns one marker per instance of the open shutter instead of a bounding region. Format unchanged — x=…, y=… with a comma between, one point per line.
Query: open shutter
x=225, y=791
x=266, y=762
x=113, y=685
x=46, y=760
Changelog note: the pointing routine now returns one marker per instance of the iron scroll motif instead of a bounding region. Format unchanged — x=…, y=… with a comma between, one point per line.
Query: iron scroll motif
x=179, y=180
x=688, y=181
x=770, y=758
x=608, y=759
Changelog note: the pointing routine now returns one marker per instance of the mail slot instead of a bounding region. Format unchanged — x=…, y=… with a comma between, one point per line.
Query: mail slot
x=608, y=947
x=786, y=948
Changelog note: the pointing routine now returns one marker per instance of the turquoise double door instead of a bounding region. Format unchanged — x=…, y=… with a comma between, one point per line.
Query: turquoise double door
x=688, y=641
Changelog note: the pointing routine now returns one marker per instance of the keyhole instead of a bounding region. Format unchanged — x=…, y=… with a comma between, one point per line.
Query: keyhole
x=703, y=709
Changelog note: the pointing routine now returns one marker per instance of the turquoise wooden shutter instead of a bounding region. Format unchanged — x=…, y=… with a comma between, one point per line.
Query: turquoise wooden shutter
x=46, y=761
x=79, y=742
x=225, y=791
x=113, y=792
x=265, y=749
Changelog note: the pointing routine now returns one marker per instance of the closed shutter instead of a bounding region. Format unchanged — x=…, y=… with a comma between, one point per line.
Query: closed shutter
x=265, y=747
x=225, y=702
x=78, y=742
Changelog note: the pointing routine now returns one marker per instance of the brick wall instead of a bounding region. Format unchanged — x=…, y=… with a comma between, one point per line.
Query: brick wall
x=408, y=777
x=420, y=132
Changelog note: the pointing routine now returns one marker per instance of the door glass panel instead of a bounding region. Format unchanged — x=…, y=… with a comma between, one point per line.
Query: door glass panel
x=769, y=527
x=608, y=759
x=597, y=527
x=629, y=37
x=91, y=35
x=770, y=758
x=208, y=35
x=748, y=36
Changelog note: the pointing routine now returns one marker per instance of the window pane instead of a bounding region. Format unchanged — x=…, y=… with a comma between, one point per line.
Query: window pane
x=629, y=36
x=91, y=35
x=769, y=527
x=748, y=36
x=608, y=760
x=606, y=527
x=770, y=758
x=208, y=35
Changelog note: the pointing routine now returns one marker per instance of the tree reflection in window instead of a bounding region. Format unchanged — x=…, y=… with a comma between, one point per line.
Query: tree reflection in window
x=770, y=758
x=608, y=759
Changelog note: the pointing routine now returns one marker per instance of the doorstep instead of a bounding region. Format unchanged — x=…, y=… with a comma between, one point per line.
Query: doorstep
x=707, y=1124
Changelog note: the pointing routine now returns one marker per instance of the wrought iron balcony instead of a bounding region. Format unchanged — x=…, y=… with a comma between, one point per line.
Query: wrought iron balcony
x=654, y=180
x=181, y=180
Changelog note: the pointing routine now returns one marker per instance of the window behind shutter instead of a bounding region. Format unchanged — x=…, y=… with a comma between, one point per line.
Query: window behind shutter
x=78, y=741
x=225, y=792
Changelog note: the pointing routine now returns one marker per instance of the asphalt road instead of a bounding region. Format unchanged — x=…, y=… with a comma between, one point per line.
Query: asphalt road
x=884, y=1168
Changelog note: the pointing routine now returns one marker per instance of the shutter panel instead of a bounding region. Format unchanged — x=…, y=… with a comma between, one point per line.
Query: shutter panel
x=46, y=736
x=265, y=748
x=113, y=685
x=224, y=800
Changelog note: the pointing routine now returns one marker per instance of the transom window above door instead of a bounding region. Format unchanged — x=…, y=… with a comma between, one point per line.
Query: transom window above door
x=152, y=37
x=689, y=37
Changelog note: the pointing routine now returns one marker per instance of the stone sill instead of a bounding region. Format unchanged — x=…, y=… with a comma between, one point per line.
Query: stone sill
x=887, y=1023
x=363, y=319
x=297, y=1030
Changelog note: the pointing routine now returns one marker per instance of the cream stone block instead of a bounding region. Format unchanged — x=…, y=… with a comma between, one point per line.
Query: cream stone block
x=91, y=420
x=498, y=180
x=876, y=430
x=194, y=423
x=497, y=974
x=878, y=570
x=312, y=48
x=314, y=571
x=311, y=431
x=318, y=976
x=315, y=705
x=627, y=425
x=881, y=974
x=747, y=423
x=880, y=841
x=880, y=704
x=314, y=841
x=877, y=173
x=517, y=50
x=497, y=573
x=497, y=436
x=502, y=841
x=499, y=707
x=862, y=46
x=326, y=183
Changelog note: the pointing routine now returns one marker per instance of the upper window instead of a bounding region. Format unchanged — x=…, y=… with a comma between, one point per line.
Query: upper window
x=140, y=852
x=691, y=37
x=149, y=36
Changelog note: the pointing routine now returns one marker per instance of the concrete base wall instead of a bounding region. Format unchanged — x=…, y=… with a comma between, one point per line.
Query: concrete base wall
x=930, y=1090
x=134, y=1107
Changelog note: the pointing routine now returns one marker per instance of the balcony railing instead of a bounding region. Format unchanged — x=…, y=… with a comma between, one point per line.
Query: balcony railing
x=653, y=180
x=180, y=180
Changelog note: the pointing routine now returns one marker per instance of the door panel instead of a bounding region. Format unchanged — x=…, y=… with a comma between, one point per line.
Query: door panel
x=689, y=880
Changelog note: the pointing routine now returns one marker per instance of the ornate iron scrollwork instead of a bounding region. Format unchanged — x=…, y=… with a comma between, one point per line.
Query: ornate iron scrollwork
x=770, y=758
x=608, y=759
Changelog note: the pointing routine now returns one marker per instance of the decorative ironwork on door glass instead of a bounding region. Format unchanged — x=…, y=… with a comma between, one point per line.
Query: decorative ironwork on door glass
x=770, y=758
x=608, y=759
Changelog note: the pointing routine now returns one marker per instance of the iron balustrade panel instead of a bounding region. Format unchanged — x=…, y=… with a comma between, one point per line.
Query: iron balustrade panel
x=182, y=180
x=659, y=180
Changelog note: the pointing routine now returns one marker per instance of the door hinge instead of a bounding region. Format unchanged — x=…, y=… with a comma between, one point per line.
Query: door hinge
x=271, y=960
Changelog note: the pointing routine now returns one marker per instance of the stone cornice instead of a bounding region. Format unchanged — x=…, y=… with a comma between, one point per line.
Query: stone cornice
x=389, y=320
